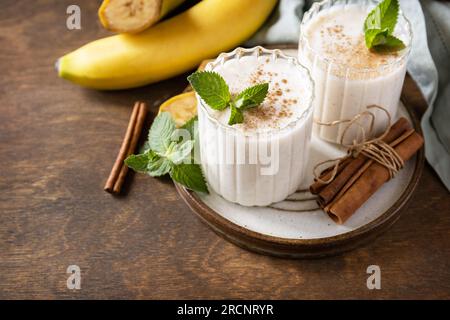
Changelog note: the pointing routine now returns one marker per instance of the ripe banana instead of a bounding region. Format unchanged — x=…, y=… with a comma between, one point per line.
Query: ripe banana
x=133, y=16
x=170, y=48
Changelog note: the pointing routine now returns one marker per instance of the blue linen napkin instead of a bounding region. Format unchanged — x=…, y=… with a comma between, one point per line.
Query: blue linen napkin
x=430, y=21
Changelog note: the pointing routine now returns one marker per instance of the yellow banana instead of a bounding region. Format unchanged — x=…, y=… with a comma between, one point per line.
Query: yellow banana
x=133, y=16
x=170, y=48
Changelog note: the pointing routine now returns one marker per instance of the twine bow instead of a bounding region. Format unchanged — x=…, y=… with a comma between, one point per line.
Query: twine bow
x=375, y=148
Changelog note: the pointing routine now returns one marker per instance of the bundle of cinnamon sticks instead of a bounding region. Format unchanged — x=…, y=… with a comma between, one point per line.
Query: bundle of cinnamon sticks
x=119, y=170
x=358, y=178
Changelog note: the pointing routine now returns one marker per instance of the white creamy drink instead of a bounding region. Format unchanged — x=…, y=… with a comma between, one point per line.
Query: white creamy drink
x=348, y=76
x=261, y=160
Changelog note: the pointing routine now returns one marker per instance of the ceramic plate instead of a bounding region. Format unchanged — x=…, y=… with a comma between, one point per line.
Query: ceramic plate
x=297, y=227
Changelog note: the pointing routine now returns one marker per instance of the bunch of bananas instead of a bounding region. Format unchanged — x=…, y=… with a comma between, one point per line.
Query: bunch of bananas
x=145, y=51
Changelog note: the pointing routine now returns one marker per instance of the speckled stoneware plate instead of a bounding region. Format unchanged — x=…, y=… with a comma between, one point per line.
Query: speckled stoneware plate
x=297, y=227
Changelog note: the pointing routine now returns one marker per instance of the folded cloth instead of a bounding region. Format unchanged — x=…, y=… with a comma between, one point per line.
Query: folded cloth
x=430, y=21
x=433, y=23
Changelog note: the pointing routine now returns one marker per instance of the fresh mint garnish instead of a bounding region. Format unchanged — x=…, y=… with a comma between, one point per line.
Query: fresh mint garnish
x=160, y=134
x=158, y=167
x=179, y=152
x=191, y=127
x=164, y=154
x=383, y=16
x=391, y=43
x=379, y=26
x=148, y=162
x=236, y=115
x=252, y=96
x=190, y=176
x=138, y=162
x=212, y=88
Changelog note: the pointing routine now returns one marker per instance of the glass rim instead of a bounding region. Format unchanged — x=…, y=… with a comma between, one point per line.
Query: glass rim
x=316, y=7
x=257, y=52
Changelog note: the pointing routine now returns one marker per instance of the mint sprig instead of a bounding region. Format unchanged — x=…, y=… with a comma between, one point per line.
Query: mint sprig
x=160, y=134
x=159, y=166
x=236, y=115
x=252, y=96
x=190, y=175
x=165, y=154
x=212, y=88
x=379, y=27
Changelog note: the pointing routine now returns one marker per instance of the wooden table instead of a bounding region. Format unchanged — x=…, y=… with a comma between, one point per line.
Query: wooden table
x=58, y=142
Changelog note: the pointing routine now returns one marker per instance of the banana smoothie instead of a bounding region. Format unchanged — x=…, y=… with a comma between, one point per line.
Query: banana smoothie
x=261, y=160
x=348, y=76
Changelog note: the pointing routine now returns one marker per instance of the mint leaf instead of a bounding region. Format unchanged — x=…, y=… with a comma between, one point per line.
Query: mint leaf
x=180, y=151
x=164, y=155
x=161, y=132
x=248, y=98
x=137, y=162
x=379, y=26
x=159, y=167
x=252, y=96
x=212, y=88
x=381, y=41
x=375, y=37
x=191, y=127
x=394, y=43
x=148, y=162
x=383, y=16
x=236, y=116
x=189, y=175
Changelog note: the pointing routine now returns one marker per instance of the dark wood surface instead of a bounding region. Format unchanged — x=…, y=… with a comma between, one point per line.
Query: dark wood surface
x=58, y=143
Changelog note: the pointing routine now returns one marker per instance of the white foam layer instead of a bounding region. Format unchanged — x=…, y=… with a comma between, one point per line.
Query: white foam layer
x=287, y=98
x=337, y=34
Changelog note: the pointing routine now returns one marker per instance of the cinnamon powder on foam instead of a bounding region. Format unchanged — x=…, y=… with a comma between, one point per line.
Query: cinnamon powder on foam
x=349, y=52
x=268, y=111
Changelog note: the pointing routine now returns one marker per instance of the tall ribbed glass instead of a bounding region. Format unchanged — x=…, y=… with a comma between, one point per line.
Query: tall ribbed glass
x=255, y=168
x=343, y=90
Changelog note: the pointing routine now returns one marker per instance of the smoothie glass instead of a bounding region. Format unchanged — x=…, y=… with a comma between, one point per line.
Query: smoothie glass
x=255, y=168
x=343, y=90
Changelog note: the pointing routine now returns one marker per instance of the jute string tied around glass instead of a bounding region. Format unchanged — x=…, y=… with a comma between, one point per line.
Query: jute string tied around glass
x=373, y=148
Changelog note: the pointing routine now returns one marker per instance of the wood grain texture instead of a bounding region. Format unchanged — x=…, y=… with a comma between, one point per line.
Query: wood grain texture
x=58, y=143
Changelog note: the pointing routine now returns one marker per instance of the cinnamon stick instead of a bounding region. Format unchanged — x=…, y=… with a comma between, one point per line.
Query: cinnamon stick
x=131, y=138
x=361, y=170
x=326, y=174
x=327, y=192
x=371, y=179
